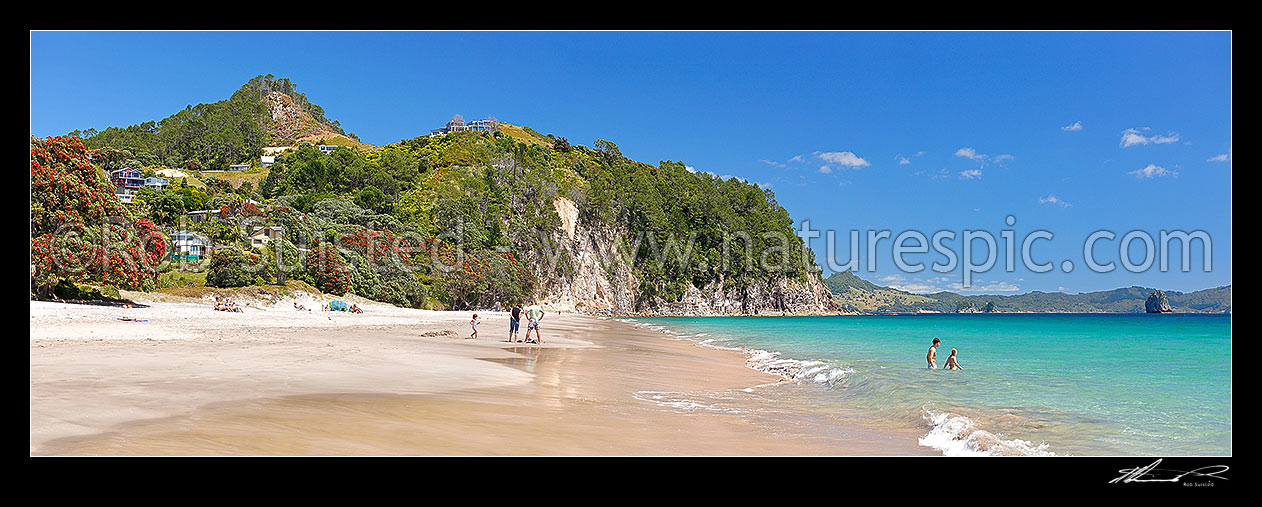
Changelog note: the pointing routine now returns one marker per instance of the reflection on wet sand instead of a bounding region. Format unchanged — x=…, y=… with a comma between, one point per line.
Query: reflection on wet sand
x=635, y=394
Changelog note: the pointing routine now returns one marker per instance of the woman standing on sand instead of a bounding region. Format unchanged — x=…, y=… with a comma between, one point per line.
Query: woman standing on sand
x=474, y=324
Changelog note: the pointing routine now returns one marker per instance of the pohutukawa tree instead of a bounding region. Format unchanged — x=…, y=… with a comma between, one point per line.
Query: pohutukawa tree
x=80, y=231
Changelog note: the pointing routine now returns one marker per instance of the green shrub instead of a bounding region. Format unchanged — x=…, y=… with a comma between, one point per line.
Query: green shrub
x=230, y=267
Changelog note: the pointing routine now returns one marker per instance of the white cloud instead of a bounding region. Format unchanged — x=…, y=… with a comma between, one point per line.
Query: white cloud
x=1051, y=199
x=920, y=153
x=971, y=174
x=694, y=170
x=797, y=159
x=1073, y=127
x=845, y=158
x=1133, y=137
x=902, y=160
x=1225, y=157
x=970, y=154
x=845, y=182
x=1002, y=159
x=916, y=288
x=993, y=287
x=1153, y=170
x=940, y=175
x=825, y=169
x=772, y=163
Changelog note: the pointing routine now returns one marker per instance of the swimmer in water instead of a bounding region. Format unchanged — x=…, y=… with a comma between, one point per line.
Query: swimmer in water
x=932, y=356
x=951, y=363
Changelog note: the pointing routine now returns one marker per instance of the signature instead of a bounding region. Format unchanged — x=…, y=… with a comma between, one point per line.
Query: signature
x=1151, y=473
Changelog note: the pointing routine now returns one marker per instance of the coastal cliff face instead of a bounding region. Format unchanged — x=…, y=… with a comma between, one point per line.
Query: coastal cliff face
x=598, y=280
x=783, y=297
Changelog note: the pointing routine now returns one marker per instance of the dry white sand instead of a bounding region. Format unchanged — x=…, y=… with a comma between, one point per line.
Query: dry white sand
x=90, y=371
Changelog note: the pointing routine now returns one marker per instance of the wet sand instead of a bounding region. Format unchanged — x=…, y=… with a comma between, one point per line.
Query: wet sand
x=269, y=382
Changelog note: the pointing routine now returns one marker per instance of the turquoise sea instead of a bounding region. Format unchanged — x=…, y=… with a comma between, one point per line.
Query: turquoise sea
x=1032, y=384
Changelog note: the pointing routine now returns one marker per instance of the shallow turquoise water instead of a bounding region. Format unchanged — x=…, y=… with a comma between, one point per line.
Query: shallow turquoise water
x=1079, y=384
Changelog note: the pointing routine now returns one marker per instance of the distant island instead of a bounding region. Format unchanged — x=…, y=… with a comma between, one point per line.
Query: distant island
x=857, y=295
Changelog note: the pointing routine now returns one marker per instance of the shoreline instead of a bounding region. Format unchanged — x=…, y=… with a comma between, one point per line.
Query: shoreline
x=197, y=382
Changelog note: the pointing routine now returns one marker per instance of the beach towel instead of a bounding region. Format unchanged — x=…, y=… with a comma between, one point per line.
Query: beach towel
x=338, y=305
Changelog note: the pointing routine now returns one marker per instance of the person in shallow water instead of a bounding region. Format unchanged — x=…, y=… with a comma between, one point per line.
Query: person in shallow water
x=951, y=363
x=932, y=356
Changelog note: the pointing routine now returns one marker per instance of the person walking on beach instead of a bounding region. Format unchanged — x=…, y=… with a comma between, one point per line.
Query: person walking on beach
x=514, y=323
x=474, y=324
x=533, y=314
x=932, y=356
x=951, y=363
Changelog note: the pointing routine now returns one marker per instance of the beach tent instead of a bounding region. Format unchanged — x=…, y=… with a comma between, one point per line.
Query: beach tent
x=338, y=305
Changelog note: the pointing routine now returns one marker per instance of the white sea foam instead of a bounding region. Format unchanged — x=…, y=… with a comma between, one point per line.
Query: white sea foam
x=710, y=344
x=956, y=435
x=953, y=434
x=680, y=401
x=795, y=369
x=761, y=360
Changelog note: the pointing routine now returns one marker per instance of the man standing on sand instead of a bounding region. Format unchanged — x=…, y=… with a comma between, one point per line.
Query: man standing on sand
x=514, y=323
x=932, y=357
x=533, y=314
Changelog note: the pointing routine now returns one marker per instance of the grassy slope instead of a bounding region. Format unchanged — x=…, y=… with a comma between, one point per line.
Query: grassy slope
x=524, y=134
x=852, y=292
x=857, y=294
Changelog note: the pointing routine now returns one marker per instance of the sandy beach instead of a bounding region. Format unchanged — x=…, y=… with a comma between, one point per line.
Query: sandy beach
x=189, y=380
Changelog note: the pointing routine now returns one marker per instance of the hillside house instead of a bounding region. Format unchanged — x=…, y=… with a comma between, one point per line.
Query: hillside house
x=457, y=124
x=126, y=183
x=267, y=160
x=190, y=246
x=202, y=215
x=238, y=167
x=157, y=183
x=262, y=235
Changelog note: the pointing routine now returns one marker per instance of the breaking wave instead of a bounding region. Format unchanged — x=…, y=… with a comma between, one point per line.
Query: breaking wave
x=956, y=435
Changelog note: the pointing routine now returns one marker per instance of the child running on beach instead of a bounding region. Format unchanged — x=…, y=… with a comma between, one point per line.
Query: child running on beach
x=951, y=363
x=474, y=324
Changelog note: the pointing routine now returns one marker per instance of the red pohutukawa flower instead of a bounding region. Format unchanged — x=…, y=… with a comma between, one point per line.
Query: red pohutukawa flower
x=79, y=229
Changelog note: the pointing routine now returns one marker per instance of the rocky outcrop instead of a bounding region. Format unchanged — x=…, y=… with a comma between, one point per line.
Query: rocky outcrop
x=1157, y=303
x=783, y=297
x=596, y=278
x=291, y=123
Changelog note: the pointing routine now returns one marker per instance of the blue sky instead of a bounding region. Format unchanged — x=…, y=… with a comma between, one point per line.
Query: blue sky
x=1068, y=132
